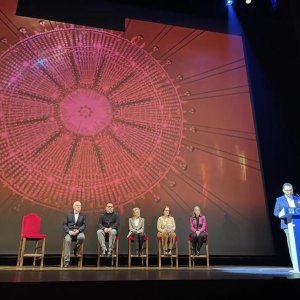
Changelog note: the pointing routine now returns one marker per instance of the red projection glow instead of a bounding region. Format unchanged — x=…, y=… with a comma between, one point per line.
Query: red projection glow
x=85, y=115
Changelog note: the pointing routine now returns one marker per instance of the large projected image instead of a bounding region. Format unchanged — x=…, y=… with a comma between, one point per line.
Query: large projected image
x=153, y=116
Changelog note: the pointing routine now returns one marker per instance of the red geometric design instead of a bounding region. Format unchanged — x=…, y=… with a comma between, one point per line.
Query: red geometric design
x=85, y=115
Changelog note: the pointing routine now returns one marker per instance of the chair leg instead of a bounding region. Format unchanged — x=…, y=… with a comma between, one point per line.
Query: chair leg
x=62, y=254
x=43, y=253
x=129, y=253
x=35, y=252
x=189, y=253
x=147, y=253
x=117, y=253
x=80, y=259
x=207, y=255
x=22, y=253
x=98, y=259
x=176, y=243
x=159, y=254
x=19, y=252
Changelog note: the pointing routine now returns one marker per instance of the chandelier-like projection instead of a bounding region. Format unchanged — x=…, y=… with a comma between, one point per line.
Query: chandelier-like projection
x=85, y=115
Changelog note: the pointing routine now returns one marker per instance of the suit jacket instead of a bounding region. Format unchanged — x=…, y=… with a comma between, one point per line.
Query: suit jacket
x=69, y=222
x=133, y=228
x=282, y=202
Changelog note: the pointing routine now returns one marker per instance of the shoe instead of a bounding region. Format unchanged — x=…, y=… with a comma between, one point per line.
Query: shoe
x=165, y=252
x=198, y=253
x=104, y=253
x=193, y=252
x=170, y=252
x=137, y=253
x=108, y=254
x=66, y=264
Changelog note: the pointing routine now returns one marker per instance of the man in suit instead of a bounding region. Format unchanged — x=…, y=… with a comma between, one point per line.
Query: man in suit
x=108, y=225
x=287, y=200
x=136, y=229
x=74, y=226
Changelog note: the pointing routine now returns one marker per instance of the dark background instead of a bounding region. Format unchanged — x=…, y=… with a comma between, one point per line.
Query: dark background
x=271, y=40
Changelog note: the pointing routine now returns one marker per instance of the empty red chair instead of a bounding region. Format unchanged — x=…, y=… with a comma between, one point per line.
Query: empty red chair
x=31, y=225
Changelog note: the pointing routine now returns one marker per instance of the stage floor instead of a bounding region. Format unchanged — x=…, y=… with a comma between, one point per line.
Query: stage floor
x=217, y=282
x=92, y=274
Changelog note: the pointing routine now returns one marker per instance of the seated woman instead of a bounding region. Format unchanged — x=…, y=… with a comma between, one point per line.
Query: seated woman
x=166, y=230
x=198, y=230
x=136, y=229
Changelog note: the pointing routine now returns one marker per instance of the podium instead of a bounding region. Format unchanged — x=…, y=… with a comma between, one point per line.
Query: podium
x=293, y=220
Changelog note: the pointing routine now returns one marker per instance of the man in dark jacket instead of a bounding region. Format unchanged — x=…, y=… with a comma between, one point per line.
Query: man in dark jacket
x=74, y=226
x=108, y=228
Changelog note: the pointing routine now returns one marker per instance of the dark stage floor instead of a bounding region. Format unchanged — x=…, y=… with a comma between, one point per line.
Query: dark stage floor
x=228, y=282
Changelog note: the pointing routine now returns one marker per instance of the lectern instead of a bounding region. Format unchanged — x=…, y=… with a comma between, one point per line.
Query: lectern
x=293, y=219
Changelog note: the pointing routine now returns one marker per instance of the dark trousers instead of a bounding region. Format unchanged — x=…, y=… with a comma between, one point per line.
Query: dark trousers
x=197, y=241
x=138, y=240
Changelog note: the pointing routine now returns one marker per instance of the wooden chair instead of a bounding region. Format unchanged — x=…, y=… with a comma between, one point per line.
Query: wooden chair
x=31, y=225
x=160, y=255
x=114, y=256
x=144, y=254
x=193, y=257
x=79, y=256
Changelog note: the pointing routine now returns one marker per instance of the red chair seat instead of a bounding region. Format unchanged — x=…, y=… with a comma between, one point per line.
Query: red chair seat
x=131, y=238
x=34, y=235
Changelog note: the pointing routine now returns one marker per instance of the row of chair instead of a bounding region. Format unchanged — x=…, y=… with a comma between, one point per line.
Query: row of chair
x=30, y=231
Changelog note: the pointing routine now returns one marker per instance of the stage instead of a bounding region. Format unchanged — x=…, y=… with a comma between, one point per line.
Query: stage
x=228, y=282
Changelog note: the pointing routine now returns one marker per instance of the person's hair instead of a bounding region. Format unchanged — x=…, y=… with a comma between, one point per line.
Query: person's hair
x=168, y=208
x=286, y=184
x=193, y=213
x=109, y=203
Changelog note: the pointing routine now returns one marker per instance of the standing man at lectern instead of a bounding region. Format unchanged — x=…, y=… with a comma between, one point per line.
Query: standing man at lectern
x=286, y=201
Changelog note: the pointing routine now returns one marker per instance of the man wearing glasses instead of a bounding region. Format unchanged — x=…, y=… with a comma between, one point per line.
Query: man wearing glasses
x=108, y=228
x=287, y=200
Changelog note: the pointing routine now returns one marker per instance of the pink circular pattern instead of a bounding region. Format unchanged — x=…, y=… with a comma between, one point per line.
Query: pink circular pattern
x=85, y=115
x=85, y=112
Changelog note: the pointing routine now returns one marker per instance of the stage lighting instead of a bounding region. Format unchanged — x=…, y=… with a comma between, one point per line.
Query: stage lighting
x=229, y=2
x=274, y=3
x=248, y=1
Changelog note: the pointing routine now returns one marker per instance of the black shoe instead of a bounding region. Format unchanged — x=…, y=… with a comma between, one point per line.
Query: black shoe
x=67, y=264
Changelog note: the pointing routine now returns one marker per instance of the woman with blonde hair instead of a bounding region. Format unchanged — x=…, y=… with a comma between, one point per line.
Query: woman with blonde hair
x=198, y=229
x=166, y=230
x=136, y=229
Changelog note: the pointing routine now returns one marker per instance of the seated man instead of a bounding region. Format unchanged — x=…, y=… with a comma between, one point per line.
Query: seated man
x=108, y=226
x=74, y=226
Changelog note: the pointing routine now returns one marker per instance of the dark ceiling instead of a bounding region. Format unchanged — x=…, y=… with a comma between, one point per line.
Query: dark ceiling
x=111, y=13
